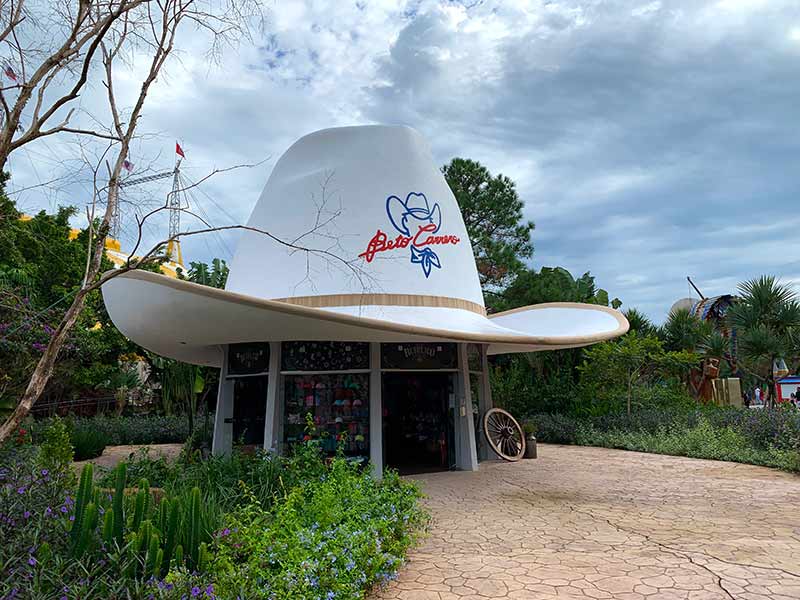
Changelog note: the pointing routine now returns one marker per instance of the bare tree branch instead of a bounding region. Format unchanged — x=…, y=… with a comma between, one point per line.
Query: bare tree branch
x=92, y=22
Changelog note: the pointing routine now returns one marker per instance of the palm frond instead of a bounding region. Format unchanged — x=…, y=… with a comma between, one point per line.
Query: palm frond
x=639, y=322
x=715, y=345
x=684, y=331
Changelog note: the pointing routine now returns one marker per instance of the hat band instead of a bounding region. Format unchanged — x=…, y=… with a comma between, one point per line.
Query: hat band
x=336, y=300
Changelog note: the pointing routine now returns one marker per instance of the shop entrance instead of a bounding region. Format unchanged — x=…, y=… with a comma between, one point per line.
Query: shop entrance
x=418, y=421
x=249, y=407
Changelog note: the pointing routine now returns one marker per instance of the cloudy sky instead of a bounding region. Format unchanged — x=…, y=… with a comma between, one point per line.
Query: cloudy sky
x=650, y=140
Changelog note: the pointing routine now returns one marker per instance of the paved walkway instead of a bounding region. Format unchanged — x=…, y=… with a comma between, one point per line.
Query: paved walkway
x=113, y=455
x=596, y=523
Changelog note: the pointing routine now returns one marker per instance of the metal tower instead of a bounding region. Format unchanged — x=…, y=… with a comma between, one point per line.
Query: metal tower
x=173, y=204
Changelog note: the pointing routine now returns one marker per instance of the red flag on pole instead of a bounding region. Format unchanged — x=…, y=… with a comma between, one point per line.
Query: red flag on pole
x=9, y=72
x=179, y=150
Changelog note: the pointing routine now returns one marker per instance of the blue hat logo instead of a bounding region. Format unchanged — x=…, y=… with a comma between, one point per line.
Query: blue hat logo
x=415, y=211
x=408, y=216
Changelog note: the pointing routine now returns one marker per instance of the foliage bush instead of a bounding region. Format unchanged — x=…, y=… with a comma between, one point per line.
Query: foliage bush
x=264, y=475
x=56, y=452
x=293, y=527
x=761, y=437
x=87, y=442
x=517, y=388
x=332, y=536
x=123, y=430
x=144, y=429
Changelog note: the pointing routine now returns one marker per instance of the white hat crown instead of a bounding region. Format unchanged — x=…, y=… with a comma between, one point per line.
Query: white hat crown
x=374, y=209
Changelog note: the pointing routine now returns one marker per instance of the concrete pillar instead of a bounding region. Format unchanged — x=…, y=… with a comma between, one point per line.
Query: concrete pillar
x=222, y=442
x=274, y=403
x=484, y=403
x=467, y=458
x=375, y=410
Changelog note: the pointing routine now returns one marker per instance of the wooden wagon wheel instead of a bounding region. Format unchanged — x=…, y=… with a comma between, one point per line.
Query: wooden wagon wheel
x=504, y=434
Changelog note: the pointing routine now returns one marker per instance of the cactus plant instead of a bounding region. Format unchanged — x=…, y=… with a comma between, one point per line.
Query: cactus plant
x=84, y=497
x=118, y=504
x=150, y=538
x=157, y=564
x=143, y=536
x=108, y=526
x=86, y=529
x=152, y=564
x=193, y=533
x=172, y=509
x=178, y=554
x=138, y=510
x=203, y=557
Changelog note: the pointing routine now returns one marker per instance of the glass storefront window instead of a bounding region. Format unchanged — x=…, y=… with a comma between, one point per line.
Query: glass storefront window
x=338, y=406
x=249, y=394
x=324, y=356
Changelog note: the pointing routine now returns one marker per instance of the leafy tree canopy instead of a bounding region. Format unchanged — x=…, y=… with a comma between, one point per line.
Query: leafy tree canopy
x=766, y=317
x=685, y=331
x=614, y=373
x=214, y=275
x=639, y=322
x=40, y=267
x=492, y=212
x=36, y=254
x=550, y=284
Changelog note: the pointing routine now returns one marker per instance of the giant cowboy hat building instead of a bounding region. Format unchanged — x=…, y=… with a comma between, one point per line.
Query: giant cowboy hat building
x=381, y=338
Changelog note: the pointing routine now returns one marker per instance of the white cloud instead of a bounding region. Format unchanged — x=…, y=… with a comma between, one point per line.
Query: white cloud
x=649, y=140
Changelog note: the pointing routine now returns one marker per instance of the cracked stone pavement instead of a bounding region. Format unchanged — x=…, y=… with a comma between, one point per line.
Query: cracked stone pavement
x=599, y=523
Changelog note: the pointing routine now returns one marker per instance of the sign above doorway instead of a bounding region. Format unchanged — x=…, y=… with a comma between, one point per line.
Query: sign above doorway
x=418, y=356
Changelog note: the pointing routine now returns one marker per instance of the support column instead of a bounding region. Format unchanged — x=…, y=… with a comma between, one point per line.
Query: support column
x=375, y=410
x=467, y=459
x=272, y=417
x=484, y=401
x=222, y=442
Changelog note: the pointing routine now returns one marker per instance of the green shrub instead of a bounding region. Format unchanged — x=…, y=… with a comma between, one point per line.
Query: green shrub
x=331, y=537
x=142, y=429
x=302, y=524
x=88, y=443
x=125, y=430
x=56, y=453
x=760, y=437
x=517, y=388
x=554, y=429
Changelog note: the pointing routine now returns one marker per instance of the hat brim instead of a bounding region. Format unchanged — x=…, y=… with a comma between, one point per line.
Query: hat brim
x=192, y=323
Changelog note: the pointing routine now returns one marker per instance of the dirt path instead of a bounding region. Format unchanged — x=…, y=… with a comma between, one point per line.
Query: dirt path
x=113, y=455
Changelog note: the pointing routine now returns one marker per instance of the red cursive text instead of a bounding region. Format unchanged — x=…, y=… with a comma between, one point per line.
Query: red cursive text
x=380, y=242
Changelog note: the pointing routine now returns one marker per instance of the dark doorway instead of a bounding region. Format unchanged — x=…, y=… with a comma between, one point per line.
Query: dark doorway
x=417, y=424
x=249, y=410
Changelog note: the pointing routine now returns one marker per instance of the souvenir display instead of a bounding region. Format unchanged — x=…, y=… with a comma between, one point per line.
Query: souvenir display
x=418, y=356
x=324, y=356
x=338, y=405
x=248, y=359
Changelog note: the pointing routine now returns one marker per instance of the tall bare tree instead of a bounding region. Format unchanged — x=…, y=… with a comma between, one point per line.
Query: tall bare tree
x=140, y=27
x=51, y=47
